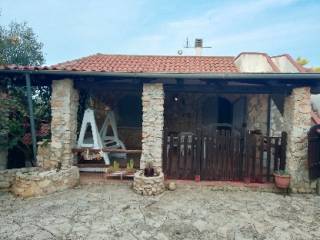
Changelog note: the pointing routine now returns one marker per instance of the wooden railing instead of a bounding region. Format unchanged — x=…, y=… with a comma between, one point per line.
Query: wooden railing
x=263, y=156
x=223, y=155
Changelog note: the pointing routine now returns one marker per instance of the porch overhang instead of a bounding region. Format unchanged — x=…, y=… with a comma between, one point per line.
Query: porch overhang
x=229, y=76
x=216, y=82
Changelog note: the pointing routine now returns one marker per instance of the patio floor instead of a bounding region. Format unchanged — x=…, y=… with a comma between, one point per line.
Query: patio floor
x=113, y=211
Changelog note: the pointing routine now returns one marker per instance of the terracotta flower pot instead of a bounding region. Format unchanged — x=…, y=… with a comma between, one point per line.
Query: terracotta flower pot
x=197, y=178
x=149, y=172
x=282, y=181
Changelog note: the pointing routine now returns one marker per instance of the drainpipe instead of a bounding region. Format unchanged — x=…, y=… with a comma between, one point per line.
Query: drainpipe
x=32, y=125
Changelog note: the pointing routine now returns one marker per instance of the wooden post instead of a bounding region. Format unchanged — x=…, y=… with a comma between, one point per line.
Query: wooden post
x=282, y=165
x=198, y=159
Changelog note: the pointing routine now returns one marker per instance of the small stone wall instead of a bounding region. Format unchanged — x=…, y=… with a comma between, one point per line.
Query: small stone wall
x=7, y=177
x=40, y=183
x=152, y=125
x=44, y=156
x=64, y=107
x=148, y=186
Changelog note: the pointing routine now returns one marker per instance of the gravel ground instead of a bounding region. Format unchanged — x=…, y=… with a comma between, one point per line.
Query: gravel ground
x=116, y=212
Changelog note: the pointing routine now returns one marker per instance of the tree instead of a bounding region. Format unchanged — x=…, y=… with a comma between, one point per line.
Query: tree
x=19, y=45
x=303, y=61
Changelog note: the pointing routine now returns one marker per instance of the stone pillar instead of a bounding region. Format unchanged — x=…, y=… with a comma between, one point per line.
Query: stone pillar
x=152, y=124
x=297, y=122
x=258, y=112
x=64, y=107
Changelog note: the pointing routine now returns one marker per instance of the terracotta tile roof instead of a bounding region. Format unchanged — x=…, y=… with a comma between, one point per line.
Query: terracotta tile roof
x=150, y=64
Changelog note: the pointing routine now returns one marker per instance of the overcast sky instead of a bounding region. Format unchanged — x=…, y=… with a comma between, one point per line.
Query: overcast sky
x=71, y=29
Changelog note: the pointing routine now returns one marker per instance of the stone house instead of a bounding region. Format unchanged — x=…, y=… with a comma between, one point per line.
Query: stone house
x=204, y=117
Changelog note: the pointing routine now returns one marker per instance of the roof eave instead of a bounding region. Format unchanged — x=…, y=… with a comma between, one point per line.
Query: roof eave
x=293, y=76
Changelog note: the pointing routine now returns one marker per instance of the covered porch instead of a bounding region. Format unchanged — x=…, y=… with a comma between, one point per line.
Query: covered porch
x=190, y=126
x=208, y=127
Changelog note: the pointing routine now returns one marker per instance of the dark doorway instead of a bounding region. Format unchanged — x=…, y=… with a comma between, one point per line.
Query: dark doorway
x=217, y=112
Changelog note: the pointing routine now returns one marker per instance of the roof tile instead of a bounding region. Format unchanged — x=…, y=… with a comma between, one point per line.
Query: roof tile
x=150, y=64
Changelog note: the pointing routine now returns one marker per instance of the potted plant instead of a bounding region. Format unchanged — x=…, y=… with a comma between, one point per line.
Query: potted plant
x=114, y=168
x=149, y=170
x=130, y=167
x=282, y=179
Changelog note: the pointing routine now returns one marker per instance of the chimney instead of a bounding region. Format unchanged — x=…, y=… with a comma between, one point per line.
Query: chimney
x=198, y=45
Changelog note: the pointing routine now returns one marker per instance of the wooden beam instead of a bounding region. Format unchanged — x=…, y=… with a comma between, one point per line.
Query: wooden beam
x=105, y=149
x=227, y=89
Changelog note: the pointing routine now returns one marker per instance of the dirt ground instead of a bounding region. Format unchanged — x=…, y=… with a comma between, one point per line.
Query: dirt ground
x=116, y=212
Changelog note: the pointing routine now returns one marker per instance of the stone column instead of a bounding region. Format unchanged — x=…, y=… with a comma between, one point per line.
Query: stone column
x=64, y=107
x=258, y=112
x=297, y=122
x=152, y=125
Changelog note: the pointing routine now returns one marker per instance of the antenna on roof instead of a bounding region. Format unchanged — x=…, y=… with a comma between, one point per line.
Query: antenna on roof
x=198, y=46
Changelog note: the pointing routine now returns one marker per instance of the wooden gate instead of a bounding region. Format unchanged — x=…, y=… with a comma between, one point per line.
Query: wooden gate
x=223, y=155
x=180, y=155
x=314, y=152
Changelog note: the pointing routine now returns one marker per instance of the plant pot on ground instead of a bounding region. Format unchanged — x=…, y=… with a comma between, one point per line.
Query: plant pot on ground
x=282, y=179
x=149, y=170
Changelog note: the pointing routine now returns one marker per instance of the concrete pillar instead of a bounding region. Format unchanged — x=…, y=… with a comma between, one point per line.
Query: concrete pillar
x=64, y=107
x=152, y=124
x=257, y=112
x=297, y=121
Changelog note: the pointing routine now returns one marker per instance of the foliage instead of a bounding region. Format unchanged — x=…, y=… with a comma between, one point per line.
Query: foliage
x=130, y=164
x=115, y=167
x=316, y=69
x=19, y=45
x=302, y=61
x=14, y=117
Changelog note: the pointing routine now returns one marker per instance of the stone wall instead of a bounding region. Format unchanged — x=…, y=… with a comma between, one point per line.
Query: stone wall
x=38, y=183
x=257, y=112
x=152, y=124
x=297, y=112
x=44, y=156
x=7, y=177
x=64, y=106
x=276, y=121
